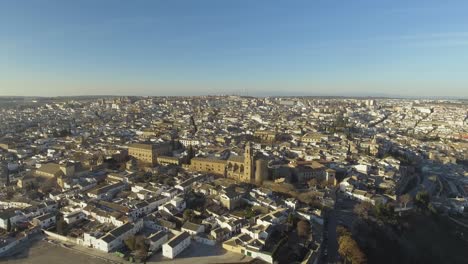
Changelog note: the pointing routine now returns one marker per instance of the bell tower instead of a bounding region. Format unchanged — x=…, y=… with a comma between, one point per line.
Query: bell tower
x=248, y=163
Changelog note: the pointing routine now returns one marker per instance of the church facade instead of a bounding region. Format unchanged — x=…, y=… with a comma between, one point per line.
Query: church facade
x=239, y=168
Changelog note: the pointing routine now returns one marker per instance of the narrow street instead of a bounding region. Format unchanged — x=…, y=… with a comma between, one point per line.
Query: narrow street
x=330, y=252
x=332, y=238
x=341, y=214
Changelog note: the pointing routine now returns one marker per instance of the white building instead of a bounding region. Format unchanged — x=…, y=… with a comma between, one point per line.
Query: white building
x=291, y=203
x=9, y=215
x=193, y=228
x=312, y=215
x=113, y=239
x=273, y=218
x=45, y=220
x=188, y=142
x=157, y=240
x=176, y=245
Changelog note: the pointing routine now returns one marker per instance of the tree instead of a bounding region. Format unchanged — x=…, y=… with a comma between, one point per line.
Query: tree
x=290, y=222
x=422, y=199
x=307, y=197
x=290, y=219
x=405, y=199
x=8, y=225
x=349, y=249
x=313, y=182
x=62, y=226
x=344, y=247
x=303, y=228
x=342, y=231
x=362, y=209
x=432, y=209
x=385, y=212
x=322, y=183
x=141, y=248
x=10, y=192
x=249, y=213
x=188, y=215
x=7, y=177
x=168, y=180
x=317, y=182
x=48, y=185
x=130, y=242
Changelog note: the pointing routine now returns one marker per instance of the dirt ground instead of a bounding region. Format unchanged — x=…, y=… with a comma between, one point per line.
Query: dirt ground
x=200, y=253
x=42, y=252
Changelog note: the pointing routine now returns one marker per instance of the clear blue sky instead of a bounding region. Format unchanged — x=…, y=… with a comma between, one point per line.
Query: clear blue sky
x=173, y=47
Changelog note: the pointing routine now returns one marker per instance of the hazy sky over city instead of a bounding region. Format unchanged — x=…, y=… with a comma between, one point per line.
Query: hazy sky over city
x=254, y=47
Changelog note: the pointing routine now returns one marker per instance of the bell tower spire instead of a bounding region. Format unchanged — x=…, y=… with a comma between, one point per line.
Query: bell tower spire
x=248, y=163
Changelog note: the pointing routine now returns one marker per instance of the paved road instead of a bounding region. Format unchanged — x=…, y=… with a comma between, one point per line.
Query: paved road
x=341, y=214
x=332, y=237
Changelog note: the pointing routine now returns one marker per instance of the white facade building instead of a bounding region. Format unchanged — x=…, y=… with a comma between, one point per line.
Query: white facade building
x=176, y=245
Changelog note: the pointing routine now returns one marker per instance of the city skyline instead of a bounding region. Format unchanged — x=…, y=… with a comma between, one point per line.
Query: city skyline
x=156, y=48
x=233, y=179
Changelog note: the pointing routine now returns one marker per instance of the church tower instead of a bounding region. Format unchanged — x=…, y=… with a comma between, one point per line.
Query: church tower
x=248, y=163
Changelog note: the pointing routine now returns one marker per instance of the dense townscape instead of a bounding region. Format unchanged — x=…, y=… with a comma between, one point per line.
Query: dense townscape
x=236, y=179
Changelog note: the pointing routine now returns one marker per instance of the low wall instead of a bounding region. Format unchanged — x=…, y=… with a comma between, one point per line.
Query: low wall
x=56, y=236
x=205, y=241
